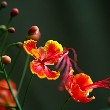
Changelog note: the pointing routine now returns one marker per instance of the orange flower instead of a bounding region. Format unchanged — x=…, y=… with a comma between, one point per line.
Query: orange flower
x=80, y=85
x=47, y=55
x=6, y=98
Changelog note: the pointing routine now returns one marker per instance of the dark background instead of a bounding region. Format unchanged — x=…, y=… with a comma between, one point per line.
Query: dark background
x=81, y=24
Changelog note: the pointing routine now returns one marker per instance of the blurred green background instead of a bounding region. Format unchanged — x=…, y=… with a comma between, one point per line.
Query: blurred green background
x=81, y=24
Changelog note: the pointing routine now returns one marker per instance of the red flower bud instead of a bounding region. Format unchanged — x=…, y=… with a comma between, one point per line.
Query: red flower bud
x=33, y=30
x=11, y=29
x=34, y=33
x=6, y=59
x=4, y=4
x=14, y=12
x=35, y=37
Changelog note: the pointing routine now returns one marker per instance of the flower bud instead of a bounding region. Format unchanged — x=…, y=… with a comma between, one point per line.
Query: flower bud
x=6, y=59
x=35, y=37
x=34, y=33
x=3, y=28
x=33, y=30
x=20, y=44
x=14, y=12
x=4, y=4
x=11, y=29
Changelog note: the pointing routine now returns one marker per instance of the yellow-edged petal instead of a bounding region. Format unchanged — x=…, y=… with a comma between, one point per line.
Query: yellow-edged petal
x=37, y=68
x=52, y=48
x=29, y=45
x=51, y=75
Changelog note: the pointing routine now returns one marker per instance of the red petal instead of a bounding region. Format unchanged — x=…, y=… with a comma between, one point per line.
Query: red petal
x=73, y=85
x=51, y=75
x=41, y=53
x=3, y=84
x=5, y=95
x=37, y=68
x=79, y=95
x=52, y=48
x=29, y=45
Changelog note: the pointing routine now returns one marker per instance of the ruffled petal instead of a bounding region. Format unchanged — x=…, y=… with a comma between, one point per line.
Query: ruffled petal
x=74, y=85
x=37, y=68
x=29, y=45
x=83, y=80
x=51, y=75
x=53, y=48
x=79, y=95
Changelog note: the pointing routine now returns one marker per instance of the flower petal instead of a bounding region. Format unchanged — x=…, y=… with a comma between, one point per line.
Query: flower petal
x=74, y=85
x=41, y=52
x=29, y=45
x=37, y=68
x=51, y=75
x=3, y=84
x=83, y=80
x=53, y=48
x=6, y=97
x=79, y=95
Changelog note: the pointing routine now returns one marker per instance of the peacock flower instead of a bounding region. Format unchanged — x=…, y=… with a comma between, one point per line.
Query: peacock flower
x=80, y=85
x=6, y=98
x=44, y=56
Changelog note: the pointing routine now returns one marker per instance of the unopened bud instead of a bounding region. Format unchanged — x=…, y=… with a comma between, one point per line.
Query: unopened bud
x=11, y=29
x=3, y=28
x=4, y=4
x=14, y=12
x=35, y=37
x=6, y=59
x=34, y=33
x=20, y=44
x=33, y=30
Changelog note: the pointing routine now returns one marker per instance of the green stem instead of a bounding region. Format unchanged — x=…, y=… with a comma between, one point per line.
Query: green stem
x=6, y=35
x=23, y=74
x=63, y=106
x=13, y=44
x=4, y=41
x=10, y=88
x=27, y=89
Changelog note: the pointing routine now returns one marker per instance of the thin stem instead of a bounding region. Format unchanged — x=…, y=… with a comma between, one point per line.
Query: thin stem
x=10, y=88
x=23, y=74
x=4, y=41
x=6, y=35
x=27, y=89
x=63, y=106
x=13, y=44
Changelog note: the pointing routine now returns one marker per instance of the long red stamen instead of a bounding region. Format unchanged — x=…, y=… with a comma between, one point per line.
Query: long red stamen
x=99, y=84
x=65, y=74
x=74, y=53
x=60, y=59
x=76, y=66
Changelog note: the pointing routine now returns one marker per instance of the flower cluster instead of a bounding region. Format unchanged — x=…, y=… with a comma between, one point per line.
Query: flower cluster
x=79, y=86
